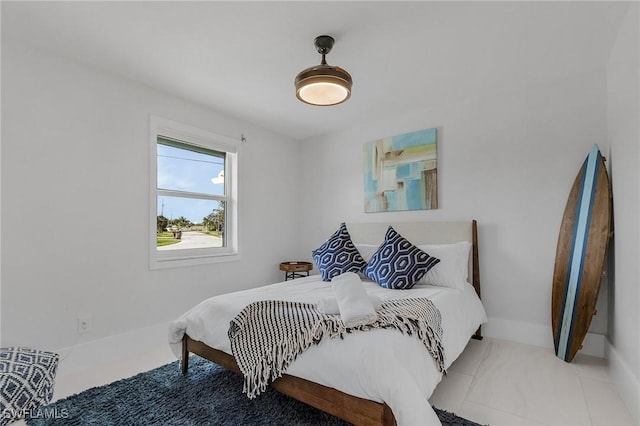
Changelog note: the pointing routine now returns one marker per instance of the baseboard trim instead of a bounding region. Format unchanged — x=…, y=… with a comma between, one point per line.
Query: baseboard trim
x=96, y=353
x=538, y=335
x=627, y=382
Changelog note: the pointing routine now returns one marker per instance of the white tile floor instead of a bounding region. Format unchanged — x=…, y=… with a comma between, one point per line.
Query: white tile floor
x=505, y=383
x=493, y=382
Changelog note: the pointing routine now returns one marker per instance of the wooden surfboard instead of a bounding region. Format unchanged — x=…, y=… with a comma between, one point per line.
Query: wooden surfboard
x=580, y=255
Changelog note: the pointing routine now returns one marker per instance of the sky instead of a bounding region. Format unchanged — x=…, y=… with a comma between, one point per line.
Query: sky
x=182, y=170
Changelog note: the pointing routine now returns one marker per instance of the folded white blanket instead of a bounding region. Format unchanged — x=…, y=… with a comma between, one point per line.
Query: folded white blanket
x=329, y=305
x=355, y=307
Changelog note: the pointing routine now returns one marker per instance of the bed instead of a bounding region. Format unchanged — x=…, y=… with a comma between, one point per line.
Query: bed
x=379, y=377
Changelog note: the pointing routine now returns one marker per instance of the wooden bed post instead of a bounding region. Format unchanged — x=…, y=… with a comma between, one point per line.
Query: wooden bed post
x=184, y=362
x=476, y=269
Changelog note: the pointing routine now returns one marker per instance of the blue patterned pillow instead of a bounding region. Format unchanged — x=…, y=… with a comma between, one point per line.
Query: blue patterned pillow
x=26, y=381
x=338, y=255
x=398, y=264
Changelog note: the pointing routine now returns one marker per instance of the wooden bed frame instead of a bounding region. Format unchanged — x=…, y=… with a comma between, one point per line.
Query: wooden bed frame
x=355, y=410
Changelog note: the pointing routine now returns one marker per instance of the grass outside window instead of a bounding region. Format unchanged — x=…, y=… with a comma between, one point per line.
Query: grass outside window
x=165, y=239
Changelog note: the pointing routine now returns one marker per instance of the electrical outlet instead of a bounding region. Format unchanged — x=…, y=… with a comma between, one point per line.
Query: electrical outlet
x=83, y=324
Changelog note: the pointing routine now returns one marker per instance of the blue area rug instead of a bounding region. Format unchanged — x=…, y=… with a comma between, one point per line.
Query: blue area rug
x=208, y=395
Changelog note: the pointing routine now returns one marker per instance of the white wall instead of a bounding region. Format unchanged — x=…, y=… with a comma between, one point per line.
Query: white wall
x=75, y=182
x=623, y=112
x=507, y=158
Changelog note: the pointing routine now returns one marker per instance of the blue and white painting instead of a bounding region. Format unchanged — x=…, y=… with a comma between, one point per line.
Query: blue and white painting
x=400, y=173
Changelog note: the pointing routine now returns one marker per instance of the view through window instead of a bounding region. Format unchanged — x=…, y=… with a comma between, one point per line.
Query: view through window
x=191, y=196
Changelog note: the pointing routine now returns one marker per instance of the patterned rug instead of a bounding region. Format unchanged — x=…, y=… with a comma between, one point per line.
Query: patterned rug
x=208, y=395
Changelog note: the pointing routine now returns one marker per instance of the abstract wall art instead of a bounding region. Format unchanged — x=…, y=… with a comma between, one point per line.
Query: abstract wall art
x=400, y=172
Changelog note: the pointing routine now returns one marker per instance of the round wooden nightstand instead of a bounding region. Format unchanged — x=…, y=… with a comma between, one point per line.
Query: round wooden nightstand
x=295, y=269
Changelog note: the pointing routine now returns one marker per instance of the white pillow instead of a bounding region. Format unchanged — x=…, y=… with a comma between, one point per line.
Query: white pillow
x=366, y=250
x=453, y=269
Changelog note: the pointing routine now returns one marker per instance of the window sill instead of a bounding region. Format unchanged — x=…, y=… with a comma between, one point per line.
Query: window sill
x=180, y=262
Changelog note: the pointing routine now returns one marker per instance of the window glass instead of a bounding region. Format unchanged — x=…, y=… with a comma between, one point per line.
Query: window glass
x=185, y=168
x=201, y=222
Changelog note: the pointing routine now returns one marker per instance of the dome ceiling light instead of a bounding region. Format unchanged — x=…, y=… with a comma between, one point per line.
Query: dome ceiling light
x=323, y=84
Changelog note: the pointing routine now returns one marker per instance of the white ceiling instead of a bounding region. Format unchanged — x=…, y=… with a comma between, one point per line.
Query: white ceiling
x=240, y=58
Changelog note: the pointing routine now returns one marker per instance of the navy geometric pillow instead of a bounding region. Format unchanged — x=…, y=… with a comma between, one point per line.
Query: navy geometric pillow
x=26, y=381
x=338, y=255
x=398, y=264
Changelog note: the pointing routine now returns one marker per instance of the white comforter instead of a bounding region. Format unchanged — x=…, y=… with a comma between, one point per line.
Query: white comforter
x=380, y=365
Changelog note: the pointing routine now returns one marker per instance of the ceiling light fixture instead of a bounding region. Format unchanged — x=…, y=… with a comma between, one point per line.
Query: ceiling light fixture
x=323, y=84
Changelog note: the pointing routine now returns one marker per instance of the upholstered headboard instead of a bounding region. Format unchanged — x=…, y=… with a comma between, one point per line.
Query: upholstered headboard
x=424, y=233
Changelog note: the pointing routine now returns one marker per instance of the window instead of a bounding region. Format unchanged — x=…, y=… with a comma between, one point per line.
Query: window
x=193, y=217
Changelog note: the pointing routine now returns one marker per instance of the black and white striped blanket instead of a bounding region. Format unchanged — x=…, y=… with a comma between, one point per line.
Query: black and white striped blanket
x=267, y=336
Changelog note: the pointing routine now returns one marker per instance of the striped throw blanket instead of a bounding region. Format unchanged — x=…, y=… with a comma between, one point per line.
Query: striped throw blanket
x=267, y=336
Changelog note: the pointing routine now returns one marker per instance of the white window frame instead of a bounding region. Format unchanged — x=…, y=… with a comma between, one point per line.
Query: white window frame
x=160, y=259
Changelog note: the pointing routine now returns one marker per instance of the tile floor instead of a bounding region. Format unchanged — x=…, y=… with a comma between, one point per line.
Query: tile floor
x=505, y=383
x=493, y=382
